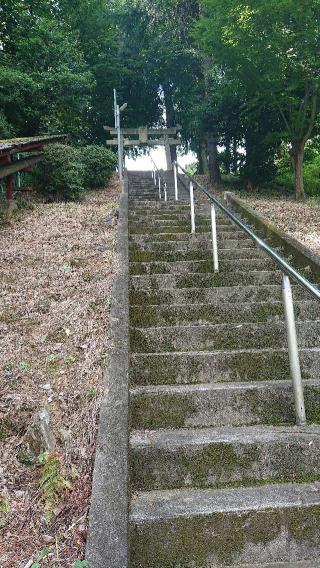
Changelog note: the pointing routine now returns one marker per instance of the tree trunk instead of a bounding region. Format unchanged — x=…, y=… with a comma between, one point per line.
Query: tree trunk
x=203, y=158
x=214, y=169
x=297, y=155
x=227, y=161
x=170, y=116
x=234, y=157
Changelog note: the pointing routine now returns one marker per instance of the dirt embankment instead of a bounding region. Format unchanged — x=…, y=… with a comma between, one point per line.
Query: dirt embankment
x=57, y=264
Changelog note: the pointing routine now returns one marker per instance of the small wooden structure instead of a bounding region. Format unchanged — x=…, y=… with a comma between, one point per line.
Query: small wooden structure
x=16, y=146
x=148, y=137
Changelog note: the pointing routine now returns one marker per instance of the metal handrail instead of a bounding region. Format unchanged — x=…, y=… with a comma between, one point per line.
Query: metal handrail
x=160, y=178
x=285, y=266
x=287, y=271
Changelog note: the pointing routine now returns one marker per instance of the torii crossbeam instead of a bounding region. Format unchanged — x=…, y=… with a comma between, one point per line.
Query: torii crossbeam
x=148, y=137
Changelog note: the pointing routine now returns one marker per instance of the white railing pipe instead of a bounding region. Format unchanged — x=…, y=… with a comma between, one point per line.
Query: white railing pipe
x=193, y=221
x=293, y=351
x=214, y=239
x=175, y=174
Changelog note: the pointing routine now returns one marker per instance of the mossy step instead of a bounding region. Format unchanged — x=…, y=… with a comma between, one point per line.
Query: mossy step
x=166, y=219
x=145, y=204
x=193, y=295
x=219, y=405
x=185, y=229
x=198, y=242
x=138, y=255
x=219, y=367
x=300, y=564
x=219, y=312
x=156, y=282
x=221, y=337
x=198, y=266
x=208, y=457
x=208, y=528
x=180, y=233
x=202, y=226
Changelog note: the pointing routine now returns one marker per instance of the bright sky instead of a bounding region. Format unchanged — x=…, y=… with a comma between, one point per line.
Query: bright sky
x=159, y=156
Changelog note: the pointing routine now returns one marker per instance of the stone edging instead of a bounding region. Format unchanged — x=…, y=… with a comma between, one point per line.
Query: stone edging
x=302, y=256
x=107, y=542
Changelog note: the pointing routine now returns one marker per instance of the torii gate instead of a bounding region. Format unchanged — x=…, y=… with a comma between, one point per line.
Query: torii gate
x=147, y=137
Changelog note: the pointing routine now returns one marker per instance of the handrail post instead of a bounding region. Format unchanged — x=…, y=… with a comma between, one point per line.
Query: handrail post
x=214, y=239
x=175, y=173
x=165, y=191
x=193, y=222
x=155, y=177
x=159, y=184
x=293, y=351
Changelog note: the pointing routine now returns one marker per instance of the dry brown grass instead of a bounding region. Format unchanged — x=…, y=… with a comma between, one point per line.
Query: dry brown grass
x=57, y=266
x=300, y=220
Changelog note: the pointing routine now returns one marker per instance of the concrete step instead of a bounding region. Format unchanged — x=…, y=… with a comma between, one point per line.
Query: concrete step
x=218, y=313
x=183, y=232
x=138, y=255
x=300, y=564
x=221, y=337
x=220, y=367
x=208, y=457
x=215, y=528
x=164, y=219
x=203, y=225
x=219, y=405
x=201, y=266
x=193, y=295
x=157, y=282
x=196, y=243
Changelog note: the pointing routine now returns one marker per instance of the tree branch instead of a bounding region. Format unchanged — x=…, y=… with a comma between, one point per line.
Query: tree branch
x=312, y=117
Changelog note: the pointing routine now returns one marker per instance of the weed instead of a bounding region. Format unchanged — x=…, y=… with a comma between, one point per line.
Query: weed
x=4, y=510
x=81, y=564
x=69, y=359
x=66, y=268
x=24, y=366
x=90, y=393
x=52, y=482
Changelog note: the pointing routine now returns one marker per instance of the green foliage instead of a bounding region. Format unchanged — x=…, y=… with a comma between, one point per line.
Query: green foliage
x=61, y=174
x=6, y=130
x=81, y=564
x=99, y=163
x=52, y=483
x=285, y=176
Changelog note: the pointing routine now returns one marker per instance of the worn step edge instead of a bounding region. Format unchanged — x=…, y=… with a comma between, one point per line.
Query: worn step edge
x=164, y=505
x=298, y=564
x=171, y=438
x=215, y=387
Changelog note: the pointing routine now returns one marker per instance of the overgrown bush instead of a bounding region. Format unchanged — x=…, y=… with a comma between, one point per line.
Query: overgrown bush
x=61, y=175
x=99, y=163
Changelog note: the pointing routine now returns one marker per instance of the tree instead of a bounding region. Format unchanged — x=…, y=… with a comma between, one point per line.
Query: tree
x=272, y=46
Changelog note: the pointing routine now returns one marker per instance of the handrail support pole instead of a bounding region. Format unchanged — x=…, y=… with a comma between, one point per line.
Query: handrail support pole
x=175, y=173
x=193, y=222
x=214, y=239
x=165, y=191
x=293, y=351
x=159, y=185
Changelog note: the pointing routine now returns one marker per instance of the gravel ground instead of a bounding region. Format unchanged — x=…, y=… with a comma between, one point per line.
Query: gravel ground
x=57, y=266
x=299, y=220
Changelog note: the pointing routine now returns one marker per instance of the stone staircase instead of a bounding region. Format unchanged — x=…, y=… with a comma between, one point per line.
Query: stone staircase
x=219, y=475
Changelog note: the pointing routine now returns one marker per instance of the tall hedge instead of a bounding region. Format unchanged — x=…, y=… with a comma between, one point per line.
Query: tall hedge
x=99, y=163
x=61, y=174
